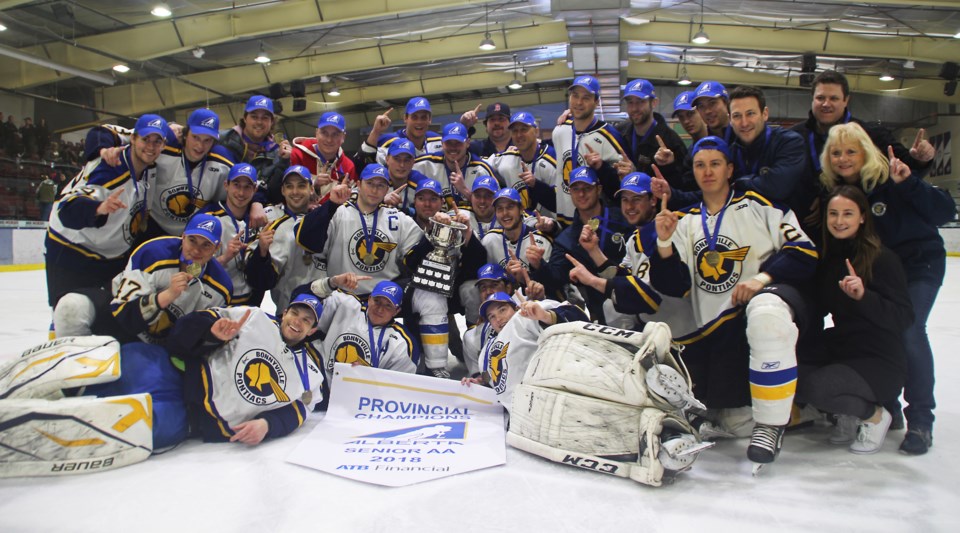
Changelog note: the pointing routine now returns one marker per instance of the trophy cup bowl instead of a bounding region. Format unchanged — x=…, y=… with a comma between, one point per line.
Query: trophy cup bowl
x=436, y=273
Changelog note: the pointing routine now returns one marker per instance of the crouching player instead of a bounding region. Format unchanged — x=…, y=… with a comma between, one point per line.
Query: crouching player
x=741, y=257
x=504, y=358
x=245, y=377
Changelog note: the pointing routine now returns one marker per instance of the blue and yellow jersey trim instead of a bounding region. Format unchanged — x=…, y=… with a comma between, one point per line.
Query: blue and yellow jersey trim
x=208, y=404
x=62, y=241
x=707, y=329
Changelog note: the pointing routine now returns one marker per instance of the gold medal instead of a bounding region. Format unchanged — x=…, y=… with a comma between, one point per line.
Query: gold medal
x=306, y=397
x=194, y=269
x=594, y=224
x=712, y=258
x=369, y=259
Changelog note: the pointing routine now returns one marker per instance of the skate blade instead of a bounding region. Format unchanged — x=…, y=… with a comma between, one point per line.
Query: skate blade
x=757, y=467
x=696, y=448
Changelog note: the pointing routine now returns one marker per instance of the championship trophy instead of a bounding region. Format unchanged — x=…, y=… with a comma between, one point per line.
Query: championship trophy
x=437, y=272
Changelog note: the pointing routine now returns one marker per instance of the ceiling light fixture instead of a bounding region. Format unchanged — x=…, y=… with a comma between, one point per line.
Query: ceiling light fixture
x=516, y=84
x=198, y=52
x=161, y=10
x=701, y=36
x=334, y=91
x=263, y=58
x=487, y=43
x=885, y=76
x=3, y=28
x=121, y=68
x=956, y=35
x=684, y=79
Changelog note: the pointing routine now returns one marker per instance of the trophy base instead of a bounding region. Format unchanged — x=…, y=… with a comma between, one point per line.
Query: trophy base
x=435, y=277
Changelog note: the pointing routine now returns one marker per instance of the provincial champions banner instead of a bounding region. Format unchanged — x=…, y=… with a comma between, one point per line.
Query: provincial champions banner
x=396, y=429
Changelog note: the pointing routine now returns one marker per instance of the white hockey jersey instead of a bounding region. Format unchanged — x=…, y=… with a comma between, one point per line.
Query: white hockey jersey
x=602, y=138
x=754, y=236
x=256, y=372
x=120, y=231
x=434, y=167
x=148, y=272
x=506, y=356
x=350, y=338
x=543, y=166
x=181, y=188
x=293, y=265
x=498, y=246
x=233, y=227
x=388, y=238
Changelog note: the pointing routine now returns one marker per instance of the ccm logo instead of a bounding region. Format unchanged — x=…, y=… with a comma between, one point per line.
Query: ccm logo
x=590, y=464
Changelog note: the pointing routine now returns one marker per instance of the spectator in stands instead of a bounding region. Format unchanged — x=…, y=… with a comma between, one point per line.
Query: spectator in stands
x=46, y=194
x=28, y=136
x=43, y=138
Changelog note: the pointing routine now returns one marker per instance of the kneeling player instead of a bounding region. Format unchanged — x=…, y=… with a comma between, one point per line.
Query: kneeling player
x=737, y=254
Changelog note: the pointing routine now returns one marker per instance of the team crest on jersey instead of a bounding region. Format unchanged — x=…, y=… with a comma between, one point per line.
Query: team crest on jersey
x=879, y=209
x=719, y=270
x=138, y=222
x=350, y=348
x=176, y=201
x=260, y=378
x=374, y=260
x=498, y=366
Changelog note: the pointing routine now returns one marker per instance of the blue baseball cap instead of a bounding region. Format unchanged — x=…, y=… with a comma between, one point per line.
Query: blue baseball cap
x=587, y=82
x=243, y=170
x=204, y=122
x=431, y=186
x=497, y=297
x=455, y=131
x=524, y=118
x=309, y=301
x=508, y=193
x=683, y=102
x=331, y=118
x=711, y=142
x=583, y=175
x=259, y=102
x=486, y=182
x=389, y=290
x=298, y=170
x=639, y=88
x=635, y=182
x=375, y=170
x=150, y=124
x=710, y=89
x=206, y=226
x=402, y=146
x=492, y=271
x=418, y=103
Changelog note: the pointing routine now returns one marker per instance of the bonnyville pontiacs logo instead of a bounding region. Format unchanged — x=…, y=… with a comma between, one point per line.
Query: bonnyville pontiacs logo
x=350, y=348
x=726, y=274
x=177, y=201
x=379, y=251
x=260, y=379
x=498, y=366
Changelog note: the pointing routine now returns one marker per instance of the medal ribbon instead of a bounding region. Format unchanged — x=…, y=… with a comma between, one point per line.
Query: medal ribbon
x=712, y=239
x=646, y=136
x=368, y=237
x=375, y=346
x=503, y=241
x=302, y=368
x=136, y=188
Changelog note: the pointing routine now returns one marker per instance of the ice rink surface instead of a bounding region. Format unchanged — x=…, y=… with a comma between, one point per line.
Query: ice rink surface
x=813, y=486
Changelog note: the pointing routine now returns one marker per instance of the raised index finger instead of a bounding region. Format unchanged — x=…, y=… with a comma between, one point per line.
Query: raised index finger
x=477, y=109
x=387, y=112
x=656, y=172
x=660, y=142
x=919, y=139
x=589, y=148
x=850, y=268
x=573, y=260
x=244, y=319
x=890, y=153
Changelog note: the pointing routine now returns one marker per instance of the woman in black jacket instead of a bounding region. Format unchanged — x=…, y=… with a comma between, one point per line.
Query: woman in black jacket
x=861, y=363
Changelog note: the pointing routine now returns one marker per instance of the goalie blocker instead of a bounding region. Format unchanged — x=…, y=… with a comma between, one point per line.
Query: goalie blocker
x=609, y=400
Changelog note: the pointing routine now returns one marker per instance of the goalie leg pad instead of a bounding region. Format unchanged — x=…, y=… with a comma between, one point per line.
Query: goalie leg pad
x=74, y=315
x=598, y=435
x=772, y=336
x=74, y=435
x=64, y=363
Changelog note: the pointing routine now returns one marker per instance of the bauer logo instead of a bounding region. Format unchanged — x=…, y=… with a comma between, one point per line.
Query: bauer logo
x=444, y=431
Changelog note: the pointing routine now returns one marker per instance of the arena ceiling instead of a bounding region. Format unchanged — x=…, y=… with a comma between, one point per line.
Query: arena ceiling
x=379, y=53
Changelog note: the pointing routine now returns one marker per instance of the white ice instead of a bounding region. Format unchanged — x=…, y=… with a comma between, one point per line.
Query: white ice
x=227, y=487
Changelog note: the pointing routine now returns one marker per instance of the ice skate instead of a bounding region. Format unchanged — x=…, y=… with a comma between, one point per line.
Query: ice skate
x=765, y=445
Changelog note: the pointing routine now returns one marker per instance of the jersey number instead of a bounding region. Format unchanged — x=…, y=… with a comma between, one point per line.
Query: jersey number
x=130, y=287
